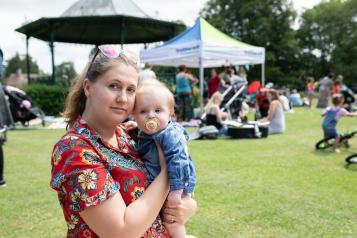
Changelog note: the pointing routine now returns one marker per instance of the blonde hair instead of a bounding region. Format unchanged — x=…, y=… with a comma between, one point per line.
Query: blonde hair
x=153, y=86
x=76, y=99
x=216, y=99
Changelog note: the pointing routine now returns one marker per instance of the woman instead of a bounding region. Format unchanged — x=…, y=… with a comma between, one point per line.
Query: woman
x=325, y=90
x=184, y=92
x=101, y=182
x=276, y=117
x=214, y=83
x=214, y=115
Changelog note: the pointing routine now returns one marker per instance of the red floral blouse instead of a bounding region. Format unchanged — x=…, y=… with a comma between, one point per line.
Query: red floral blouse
x=86, y=171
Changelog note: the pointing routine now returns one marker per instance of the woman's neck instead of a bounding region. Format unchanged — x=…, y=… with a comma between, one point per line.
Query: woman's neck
x=107, y=132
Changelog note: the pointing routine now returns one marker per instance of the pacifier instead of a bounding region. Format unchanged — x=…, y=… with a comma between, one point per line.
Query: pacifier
x=152, y=124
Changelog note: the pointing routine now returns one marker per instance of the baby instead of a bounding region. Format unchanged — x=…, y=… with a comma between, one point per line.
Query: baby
x=154, y=108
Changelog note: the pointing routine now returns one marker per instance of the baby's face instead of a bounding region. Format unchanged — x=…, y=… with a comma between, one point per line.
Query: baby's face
x=151, y=112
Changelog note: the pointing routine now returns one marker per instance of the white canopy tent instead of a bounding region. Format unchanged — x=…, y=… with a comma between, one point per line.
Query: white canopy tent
x=203, y=46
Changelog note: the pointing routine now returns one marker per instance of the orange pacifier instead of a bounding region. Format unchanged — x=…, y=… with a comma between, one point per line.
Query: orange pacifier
x=152, y=124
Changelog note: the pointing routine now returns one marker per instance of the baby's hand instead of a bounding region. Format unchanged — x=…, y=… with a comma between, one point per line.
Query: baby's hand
x=130, y=125
x=174, y=198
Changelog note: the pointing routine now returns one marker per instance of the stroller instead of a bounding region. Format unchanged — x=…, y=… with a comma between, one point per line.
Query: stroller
x=349, y=99
x=21, y=107
x=233, y=97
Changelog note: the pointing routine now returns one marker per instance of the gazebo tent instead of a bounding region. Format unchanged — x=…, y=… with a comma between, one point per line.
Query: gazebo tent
x=100, y=22
x=203, y=46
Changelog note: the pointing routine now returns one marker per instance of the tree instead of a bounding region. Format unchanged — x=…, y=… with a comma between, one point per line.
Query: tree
x=65, y=73
x=19, y=62
x=266, y=23
x=328, y=33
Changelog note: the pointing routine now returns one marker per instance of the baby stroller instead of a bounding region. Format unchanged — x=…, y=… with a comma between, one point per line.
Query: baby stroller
x=349, y=99
x=21, y=107
x=233, y=97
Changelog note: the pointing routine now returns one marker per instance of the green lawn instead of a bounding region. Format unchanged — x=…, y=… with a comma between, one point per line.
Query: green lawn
x=273, y=187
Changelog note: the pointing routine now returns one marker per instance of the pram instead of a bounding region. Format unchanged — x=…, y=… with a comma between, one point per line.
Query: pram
x=349, y=99
x=232, y=103
x=21, y=107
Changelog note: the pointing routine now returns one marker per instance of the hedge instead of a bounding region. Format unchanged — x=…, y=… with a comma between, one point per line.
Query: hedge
x=49, y=98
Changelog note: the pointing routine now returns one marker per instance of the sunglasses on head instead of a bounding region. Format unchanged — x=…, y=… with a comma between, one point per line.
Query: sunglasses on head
x=112, y=52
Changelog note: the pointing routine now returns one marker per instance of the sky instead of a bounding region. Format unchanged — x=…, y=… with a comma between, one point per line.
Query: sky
x=14, y=13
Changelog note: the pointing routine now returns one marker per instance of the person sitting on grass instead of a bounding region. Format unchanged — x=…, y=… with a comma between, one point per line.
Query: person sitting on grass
x=275, y=116
x=214, y=115
x=153, y=113
x=331, y=117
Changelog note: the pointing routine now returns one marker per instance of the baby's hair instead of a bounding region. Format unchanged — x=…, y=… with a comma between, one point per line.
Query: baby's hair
x=337, y=99
x=152, y=86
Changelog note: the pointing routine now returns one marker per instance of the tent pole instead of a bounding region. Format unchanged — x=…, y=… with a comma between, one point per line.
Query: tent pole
x=122, y=34
x=28, y=59
x=263, y=74
x=201, y=84
x=53, y=78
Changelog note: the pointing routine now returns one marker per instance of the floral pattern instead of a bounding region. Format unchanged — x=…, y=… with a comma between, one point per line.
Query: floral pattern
x=78, y=176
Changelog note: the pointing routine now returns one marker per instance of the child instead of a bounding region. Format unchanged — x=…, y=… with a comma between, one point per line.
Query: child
x=332, y=115
x=154, y=107
x=310, y=88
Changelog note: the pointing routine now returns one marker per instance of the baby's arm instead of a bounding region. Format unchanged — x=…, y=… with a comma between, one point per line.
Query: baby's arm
x=174, y=198
x=176, y=155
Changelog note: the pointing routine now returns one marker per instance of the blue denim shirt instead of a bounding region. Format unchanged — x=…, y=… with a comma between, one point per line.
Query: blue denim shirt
x=179, y=163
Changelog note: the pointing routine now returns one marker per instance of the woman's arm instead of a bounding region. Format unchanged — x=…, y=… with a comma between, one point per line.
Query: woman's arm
x=272, y=108
x=113, y=218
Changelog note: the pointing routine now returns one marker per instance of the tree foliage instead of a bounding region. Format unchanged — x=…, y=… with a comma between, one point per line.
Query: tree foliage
x=328, y=35
x=65, y=72
x=19, y=62
x=266, y=23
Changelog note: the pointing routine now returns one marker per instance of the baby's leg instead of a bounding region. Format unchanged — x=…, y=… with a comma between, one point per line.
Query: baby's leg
x=176, y=230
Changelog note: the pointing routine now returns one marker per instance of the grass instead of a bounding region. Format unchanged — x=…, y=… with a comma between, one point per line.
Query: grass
x=273, y=187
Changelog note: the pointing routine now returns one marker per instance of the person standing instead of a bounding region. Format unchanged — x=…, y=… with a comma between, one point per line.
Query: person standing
x=147, y=73
x=101, y=181
x=214, y=83
x=310, y=89
x=325, y=90
x=184, y=92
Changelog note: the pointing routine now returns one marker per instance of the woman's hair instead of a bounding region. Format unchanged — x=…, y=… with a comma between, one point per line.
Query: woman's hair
x=216, y=98
x=152, y=86
x=76, y=99
x=337, y=99
x=310, y=79
x=182, y=68
x=274, y=95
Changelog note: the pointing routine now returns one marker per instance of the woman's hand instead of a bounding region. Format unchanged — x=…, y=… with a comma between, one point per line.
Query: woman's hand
x=264, y=119
x=130, y=125
x=180, y=213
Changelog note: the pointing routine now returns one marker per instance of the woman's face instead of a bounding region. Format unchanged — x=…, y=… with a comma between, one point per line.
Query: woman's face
x=111, y=98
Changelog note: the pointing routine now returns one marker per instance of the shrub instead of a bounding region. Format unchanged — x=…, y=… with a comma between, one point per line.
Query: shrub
x=49, y=98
